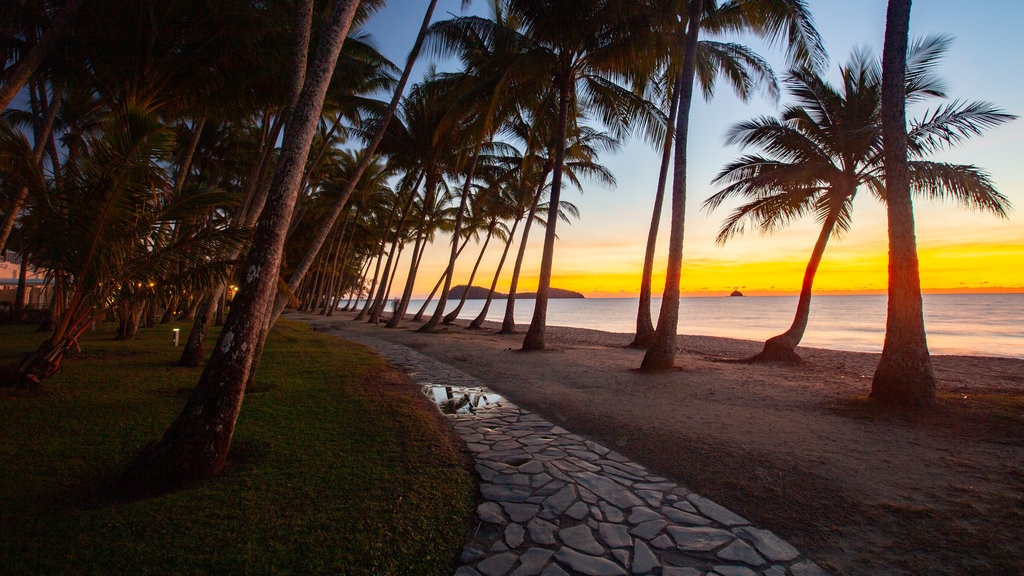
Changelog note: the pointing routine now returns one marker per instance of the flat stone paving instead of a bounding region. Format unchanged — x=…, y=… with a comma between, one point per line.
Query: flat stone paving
x=558, y=504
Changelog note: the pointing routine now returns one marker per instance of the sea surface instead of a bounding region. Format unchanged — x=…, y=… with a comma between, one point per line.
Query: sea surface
x=967, y=324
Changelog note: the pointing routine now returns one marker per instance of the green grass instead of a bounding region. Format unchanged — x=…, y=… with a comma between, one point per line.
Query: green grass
x=336, y=467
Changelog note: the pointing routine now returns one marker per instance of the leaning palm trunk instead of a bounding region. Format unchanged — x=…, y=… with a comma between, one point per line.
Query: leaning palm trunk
x=783, y=347
x=644, y=326
x=661, y=354
x=442, y=300
x=904, y=374
x=479, y=320
x=418, y=317
x=17, y=76
x=365, y=159
x=508, y=323
x=39, y=148
x=451, y=316
x=534, y=339
x=196, y=445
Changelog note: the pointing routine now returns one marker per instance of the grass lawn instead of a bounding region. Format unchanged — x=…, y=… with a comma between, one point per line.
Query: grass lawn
x=338, y=466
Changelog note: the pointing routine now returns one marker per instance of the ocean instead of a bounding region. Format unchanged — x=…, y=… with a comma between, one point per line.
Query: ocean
x=969, y=324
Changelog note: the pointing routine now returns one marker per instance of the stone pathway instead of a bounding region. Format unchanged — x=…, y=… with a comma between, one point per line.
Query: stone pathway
x=556, y=504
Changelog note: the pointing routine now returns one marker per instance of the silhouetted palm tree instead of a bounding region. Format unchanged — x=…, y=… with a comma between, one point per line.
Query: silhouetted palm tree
x=828, y=144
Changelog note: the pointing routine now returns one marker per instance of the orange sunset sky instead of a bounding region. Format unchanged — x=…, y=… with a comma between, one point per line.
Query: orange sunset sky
x=601, y=254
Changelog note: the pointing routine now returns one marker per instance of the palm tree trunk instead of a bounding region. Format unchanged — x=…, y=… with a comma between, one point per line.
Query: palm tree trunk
x=451, y=316
x=534, y=339
x=39, y=148
x=302, y=266
x=430, y=298
x=196, y=445
x=23, y=70
x=661, y=354
x=482, y=316
x=644, y=326
x=508, y=322
x=417, y=251
x=442, y=300
x=904, y=375
x=782, y=348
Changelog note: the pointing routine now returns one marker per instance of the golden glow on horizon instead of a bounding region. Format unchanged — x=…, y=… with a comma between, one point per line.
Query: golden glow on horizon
x=974, y=267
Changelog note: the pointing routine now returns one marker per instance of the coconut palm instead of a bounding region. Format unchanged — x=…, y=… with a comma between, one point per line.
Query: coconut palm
x=196, y=444
x=768, y=18
x=745, y=71
x=827, y=145
x=582, y=67
x=104, y=235
x=904, y=374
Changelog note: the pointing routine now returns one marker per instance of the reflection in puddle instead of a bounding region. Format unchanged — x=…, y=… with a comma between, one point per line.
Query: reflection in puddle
x=460, y=400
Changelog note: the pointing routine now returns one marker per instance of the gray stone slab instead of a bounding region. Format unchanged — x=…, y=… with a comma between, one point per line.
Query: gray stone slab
x=515, y=535
x=520, y=512
x=497, y=565
x=680, y=517
x=579, y=511
x=608, y=490
x=807, y=568
x=587, y=496
x=622, y=557
x=644, y=561
x=614, y=535
x=663, y=542
x=642, y=514
x=581, y=538
x=490, y=512
x=733, y=571
x=611, y=513
x=589, y=565
x=542, y=532
x=648, y=530
x=466, y=571
x=533, y=561
x=560, y=501
x=505, y=492
x=740, y=551
x=653, y=497
x=680, y=571
x=768, y=544
x=699, y=539
x=717, y=513
x=775, y=571
x=531, y=467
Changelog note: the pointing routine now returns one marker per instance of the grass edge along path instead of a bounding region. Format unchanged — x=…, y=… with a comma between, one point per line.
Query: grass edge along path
x=339, y=465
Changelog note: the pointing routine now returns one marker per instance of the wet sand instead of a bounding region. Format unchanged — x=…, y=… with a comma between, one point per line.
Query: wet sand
x=793, y=448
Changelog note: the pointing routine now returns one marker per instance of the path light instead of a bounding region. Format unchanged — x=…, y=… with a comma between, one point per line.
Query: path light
x=175, y=332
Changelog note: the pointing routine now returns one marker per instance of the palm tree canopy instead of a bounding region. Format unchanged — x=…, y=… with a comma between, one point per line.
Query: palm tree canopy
x=828, y=143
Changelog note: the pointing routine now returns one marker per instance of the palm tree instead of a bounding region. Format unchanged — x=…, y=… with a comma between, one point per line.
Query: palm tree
x=584, y=64
x=828, y=144
x=770, y=18
x=196, y=444
x=105, y=235
x=745, y=71
x=904, y=374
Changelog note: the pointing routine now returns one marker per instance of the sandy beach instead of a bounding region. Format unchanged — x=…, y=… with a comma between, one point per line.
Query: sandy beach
x=795, y=449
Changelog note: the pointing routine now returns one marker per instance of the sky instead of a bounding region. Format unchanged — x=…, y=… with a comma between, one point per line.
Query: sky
x=601, y=254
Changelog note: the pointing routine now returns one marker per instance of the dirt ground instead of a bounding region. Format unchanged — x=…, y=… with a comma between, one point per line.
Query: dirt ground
x=795, y=449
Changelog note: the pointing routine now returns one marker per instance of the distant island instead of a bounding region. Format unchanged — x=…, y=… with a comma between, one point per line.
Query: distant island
x=478, y=293
x=736, y=293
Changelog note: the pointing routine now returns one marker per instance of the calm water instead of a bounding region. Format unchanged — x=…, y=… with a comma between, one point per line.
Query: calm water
x=976, y=324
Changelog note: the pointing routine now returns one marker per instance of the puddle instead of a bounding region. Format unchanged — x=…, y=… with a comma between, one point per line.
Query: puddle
x=459, y=399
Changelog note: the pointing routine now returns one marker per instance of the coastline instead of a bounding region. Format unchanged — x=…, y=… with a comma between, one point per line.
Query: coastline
x=793, y=448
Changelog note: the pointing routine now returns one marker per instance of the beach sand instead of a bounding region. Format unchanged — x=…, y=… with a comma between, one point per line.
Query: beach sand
x=795, y=449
